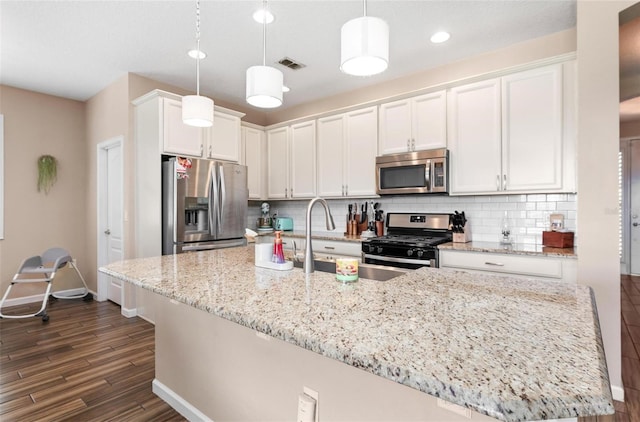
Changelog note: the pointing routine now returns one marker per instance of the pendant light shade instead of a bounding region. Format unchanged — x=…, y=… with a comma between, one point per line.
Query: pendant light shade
x=364, y=46
x=264, y=83
x=264, y=86
x=197, y=110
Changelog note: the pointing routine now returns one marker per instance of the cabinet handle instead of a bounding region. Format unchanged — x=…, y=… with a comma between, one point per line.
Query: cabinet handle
x=413, y=144
x=210, y=152
x=329, y=247
x=504, y=182
x=498, y=182
x=495, y=264
x=342, y=190
x=286, y=192
x=346, y=190
x=408, y=144
x=201, y=149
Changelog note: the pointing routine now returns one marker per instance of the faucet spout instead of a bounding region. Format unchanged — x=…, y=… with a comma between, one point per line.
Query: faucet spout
x=308, y=254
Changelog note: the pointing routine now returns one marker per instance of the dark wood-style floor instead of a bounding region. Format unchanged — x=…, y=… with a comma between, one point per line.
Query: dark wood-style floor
x=89, y=363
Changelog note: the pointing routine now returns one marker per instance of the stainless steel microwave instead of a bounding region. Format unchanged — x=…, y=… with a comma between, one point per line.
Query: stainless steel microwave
x=413, y=172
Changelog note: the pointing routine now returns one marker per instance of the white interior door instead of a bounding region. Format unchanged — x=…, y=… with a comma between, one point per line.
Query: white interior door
x=634, y=209
x=110, y=216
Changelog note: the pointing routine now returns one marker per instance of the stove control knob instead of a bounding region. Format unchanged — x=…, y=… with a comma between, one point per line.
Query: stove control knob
x=420, y=253
x=410, y=252
x=379, y=249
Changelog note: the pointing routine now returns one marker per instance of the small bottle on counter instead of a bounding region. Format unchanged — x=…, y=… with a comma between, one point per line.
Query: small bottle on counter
x=278, y=252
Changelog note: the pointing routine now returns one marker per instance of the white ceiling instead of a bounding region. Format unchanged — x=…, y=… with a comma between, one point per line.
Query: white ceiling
x=74, y=49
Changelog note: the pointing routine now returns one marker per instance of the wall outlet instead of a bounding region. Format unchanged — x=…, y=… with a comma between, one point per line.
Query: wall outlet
x=314, y=395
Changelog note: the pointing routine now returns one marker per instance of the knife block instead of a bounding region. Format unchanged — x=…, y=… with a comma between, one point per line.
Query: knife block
x=463, y=237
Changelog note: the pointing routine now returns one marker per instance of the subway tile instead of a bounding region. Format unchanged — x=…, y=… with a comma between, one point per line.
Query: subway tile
x=556, y=197
x=536, y=198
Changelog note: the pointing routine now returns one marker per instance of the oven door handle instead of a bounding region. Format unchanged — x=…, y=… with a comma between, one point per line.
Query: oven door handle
x=428, y=262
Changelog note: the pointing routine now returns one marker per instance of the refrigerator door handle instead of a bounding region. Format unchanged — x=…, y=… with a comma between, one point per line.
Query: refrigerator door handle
x=213, y=196
x=223, y=193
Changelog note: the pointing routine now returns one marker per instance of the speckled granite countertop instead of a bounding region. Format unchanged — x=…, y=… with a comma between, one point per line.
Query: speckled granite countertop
x=515, y=249
x=509, y=348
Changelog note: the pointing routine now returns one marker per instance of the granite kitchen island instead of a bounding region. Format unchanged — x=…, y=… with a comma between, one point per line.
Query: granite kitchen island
x=234, y=341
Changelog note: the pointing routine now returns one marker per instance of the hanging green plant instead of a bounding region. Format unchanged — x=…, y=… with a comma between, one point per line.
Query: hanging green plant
x=47, y=172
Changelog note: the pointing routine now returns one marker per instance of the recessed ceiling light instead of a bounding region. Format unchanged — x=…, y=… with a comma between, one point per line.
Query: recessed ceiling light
x=194, y=54
x=263, y=14
x=285, y=88
x=439, y=37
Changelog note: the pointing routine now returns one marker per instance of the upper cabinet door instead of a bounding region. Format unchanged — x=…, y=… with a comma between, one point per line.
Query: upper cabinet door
x=474, y=138
x=178, y=138
x=331, y=156
x=303, y=160
x=532, y=129
x=360, y=146
x=223, y=139
x=254, y=146
x=278, y=163
x=429, y=122
x=395, y=127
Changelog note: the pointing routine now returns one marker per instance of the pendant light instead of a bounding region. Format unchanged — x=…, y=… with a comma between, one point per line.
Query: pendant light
x=264, y=83
x=364, y=45
x=196, y=109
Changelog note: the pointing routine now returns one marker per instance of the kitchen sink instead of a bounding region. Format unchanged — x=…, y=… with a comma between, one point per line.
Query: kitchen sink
x=369, y=271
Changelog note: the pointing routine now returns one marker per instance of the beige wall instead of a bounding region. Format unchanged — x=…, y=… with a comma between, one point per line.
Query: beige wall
x=37, y=124
x=598, y=139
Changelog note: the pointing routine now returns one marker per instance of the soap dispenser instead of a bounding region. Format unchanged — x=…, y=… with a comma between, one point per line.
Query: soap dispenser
x=278, y=252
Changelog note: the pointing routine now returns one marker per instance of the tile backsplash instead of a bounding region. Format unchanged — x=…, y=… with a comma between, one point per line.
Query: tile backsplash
x=528, y=214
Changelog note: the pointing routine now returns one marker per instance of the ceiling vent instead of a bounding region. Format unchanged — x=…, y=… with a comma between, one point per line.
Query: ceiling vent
x=291, y=64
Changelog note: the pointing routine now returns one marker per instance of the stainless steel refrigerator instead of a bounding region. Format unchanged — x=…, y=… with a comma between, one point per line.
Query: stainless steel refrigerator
x=204, y=205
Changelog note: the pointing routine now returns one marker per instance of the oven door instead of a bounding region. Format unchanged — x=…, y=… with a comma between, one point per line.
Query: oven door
x=400, y=177
x=392, y=261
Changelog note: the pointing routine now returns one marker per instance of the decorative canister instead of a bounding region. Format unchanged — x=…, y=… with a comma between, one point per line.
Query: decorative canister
x=347, y=269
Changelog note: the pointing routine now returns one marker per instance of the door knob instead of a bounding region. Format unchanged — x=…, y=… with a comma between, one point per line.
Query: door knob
x=107, y=232
x=635, y=224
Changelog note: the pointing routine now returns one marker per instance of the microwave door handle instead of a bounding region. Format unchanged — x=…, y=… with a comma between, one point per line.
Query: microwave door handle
x=427, y=175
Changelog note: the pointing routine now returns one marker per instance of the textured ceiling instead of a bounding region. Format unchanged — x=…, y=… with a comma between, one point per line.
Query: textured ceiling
x=74, y=49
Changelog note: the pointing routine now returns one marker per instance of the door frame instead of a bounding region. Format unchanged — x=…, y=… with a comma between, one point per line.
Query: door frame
x=101, y=209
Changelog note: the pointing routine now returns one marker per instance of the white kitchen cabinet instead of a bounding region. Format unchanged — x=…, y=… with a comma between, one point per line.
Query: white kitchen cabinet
x=254, y=147
x=542, y=267
x=223, y=139
x=278, y=163
x=178, y=138
x=414, y=124
x=292, y=161
x=346, y=154
x=302, y=163
x=332, y=249
x=474, y=137
x=514, y=134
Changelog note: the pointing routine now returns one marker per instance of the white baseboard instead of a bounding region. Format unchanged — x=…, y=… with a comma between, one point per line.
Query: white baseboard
x=178, y=403
x=128, y=312
x=617, y=392
x=38, y=298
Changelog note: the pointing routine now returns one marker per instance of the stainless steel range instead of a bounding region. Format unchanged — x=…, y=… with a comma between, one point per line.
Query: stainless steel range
x=411, y=240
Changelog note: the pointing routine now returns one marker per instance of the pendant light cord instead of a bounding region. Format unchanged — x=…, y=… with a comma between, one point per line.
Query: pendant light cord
x=198, y=47
x=364, y=7
x=264, y=33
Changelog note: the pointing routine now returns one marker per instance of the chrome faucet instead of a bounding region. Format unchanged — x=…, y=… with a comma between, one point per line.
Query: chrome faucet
x=308, y=254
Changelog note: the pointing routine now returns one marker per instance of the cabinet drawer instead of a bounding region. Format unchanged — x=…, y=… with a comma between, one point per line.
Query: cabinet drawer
x=499, y=263
x=336, y=248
